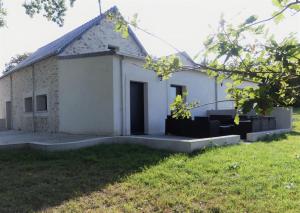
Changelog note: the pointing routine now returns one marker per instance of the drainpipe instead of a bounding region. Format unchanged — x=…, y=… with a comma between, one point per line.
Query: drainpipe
x=123, y=102
x=33, y=100
x=216, y=94
x=11, y=101
x=167, y=93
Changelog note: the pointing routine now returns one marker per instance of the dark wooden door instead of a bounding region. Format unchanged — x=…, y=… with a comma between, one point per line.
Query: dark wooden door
x=8, y=115
x=137, y=108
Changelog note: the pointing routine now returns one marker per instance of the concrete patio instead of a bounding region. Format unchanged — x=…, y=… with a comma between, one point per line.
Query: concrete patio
x=61, y=142
x=20, y=137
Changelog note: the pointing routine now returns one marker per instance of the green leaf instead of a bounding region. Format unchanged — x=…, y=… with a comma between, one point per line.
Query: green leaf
x=209, y=40
x=220, y=78
x=237, y=83
x=134, y=20
x=250, y=19
x=228, y=84
x=277, y=3
x=237, y=119
x=278, y=18
x=295, y=7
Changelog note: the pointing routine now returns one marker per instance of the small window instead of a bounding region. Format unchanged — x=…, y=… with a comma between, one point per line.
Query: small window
x=28, y=104
x=41, y=103
x=176, y=90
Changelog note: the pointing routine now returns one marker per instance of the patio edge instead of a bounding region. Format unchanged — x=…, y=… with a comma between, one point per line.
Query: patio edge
x=255, y=136
x=169, y=144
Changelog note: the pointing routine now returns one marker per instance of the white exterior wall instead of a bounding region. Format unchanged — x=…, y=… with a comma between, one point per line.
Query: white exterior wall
x=155, y=97
x=157, y=94
x=200, y=88
x=86, y=95
x=94, y=95
x=284, y=117
x=222, y=95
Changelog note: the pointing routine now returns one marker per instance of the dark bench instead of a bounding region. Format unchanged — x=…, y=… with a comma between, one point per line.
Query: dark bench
x=200, y=127
x=206, y=127
x=218, y=125
x=247, y=124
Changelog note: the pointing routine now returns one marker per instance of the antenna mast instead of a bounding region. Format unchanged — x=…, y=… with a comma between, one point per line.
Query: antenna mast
x=100, y=9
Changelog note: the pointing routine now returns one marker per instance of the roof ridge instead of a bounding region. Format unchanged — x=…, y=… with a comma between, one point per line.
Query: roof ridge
x=184, y=54
x=59, y=44
x=112, y=9
x=187, y=56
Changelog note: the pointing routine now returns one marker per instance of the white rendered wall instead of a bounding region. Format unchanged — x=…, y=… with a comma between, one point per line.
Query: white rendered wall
x=157, y=94
x=199, y=87
x=91, y=102
x=284, y=117
x=86, y=95
x=222, y=95
x=95, y=95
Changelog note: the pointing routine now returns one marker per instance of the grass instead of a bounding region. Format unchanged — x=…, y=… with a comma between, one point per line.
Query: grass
x=260, y=177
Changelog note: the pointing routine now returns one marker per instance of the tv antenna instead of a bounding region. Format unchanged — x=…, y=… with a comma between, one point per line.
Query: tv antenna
x=100, y=8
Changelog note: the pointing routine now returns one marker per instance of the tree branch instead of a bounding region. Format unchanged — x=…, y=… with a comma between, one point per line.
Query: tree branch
x=203, y=105
x=277, y=14
x=200, y=66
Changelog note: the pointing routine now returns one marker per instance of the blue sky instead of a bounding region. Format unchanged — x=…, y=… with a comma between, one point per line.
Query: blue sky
x=183, y=23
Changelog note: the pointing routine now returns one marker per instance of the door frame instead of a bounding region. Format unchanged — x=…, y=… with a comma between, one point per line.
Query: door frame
x=8, y=122
x=145, y=96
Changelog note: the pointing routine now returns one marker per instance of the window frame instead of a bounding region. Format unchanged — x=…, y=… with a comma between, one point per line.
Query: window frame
x=26, y=105
x=181, y=88
x=38, y=104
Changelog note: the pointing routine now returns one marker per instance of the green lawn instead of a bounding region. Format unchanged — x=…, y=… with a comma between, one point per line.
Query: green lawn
x=260, y=177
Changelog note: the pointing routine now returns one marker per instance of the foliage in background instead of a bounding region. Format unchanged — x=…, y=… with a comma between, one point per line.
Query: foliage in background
x=282, y=5
x=53, y=10
x=14, y=61
x=164, y=66
x=180, y=109
x=270, y=64
x=121, y=25
x=247, y=53
x=2, y=14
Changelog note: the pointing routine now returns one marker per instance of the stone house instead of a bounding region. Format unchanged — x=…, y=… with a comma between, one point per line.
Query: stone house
x=92, y=81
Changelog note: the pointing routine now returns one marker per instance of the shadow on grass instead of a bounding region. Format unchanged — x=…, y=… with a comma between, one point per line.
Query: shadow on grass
x=294, y=133
x=276, y=138
x=32, y=180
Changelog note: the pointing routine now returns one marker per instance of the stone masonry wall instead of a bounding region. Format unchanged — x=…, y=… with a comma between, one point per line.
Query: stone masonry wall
x=46, y=83
x=22, y=88
x=99, y=37
x=94, y=40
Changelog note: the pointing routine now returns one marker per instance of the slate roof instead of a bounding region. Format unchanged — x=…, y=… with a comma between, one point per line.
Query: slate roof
x=186, y=59
x=58, y=46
